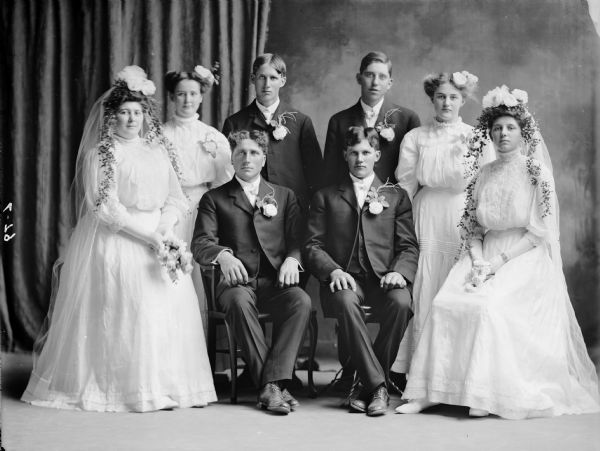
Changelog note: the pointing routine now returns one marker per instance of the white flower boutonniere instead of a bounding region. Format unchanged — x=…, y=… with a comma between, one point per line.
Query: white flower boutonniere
x=385, y=128
x=280, y=131
x=376, y=200
x=209, y=144
x=268, y=204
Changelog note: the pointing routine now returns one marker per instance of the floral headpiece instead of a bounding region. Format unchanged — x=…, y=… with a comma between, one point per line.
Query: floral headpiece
x=464, y=79
x=208, y=76
x=131, y=79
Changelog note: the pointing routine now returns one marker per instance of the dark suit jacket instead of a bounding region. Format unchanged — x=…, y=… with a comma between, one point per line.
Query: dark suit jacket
x=389, y=237
x=295, y=161
x=226, y=220
x=335, y=143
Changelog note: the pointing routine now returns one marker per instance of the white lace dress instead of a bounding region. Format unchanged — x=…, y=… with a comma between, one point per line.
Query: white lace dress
x=205, y=159
x=513, y=347
x=431, y=168
x=122, y=336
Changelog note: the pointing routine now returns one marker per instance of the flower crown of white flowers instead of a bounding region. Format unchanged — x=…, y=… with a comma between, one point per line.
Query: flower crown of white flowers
x=464, y=79
x=136, y=79
x=501, y=95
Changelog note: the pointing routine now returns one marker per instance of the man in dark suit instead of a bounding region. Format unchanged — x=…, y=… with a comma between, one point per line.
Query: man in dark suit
x=362, y=246
x=252, y=229
x=373, y=109
x=294, y=158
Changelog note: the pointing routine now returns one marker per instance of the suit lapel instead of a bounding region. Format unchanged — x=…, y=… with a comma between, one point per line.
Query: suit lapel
x=346, y=190
x=358, y=115
x=257, y=117
x=239, y=197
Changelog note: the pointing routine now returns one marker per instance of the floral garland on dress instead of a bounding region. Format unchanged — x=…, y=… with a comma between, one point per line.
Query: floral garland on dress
x=132, y=79
x=534, y=170
x=468, y=221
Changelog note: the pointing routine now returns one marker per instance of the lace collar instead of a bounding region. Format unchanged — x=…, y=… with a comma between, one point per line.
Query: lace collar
x=127, y=141
x=185, y=120
x=446, y=125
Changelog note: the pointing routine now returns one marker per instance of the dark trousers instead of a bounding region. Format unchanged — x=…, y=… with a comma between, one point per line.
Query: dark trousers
x=371, y=360
x=290, y=309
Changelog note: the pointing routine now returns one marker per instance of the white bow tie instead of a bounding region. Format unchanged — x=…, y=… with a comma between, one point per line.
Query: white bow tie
x=370, y=114
x=252, y=190
x=361, y=186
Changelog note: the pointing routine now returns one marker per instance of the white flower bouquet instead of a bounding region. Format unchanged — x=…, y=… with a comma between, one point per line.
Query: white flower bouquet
x=175, y=258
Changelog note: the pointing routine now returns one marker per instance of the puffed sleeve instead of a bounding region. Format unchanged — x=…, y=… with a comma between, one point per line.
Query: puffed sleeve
x=223, y=167
x=111, y=211
x=176, y=204
x=406, y=171
x=543, y=218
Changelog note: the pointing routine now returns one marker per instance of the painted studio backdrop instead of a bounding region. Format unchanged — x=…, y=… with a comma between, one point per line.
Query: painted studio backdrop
x=59, y=59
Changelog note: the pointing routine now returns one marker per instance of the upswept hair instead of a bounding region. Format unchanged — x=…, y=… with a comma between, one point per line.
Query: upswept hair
x=375, y=57
x=258, y=136
x=433, y=81
x=173, y=78
x=273, y=59
x=357, y=134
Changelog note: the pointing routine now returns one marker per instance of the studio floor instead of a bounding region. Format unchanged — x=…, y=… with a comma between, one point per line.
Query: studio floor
x=318, y=424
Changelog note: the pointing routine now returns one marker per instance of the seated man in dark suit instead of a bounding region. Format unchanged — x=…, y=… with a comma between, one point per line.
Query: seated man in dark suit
x=373, y=109
x=252, y=229
x=294, y=157
x=362, y=246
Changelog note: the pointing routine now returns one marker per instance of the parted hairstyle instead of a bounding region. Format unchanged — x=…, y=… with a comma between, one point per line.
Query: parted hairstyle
x=273, y=59
x=357, y=134
x=258, y=136
x=173, y=78
x=375, y=57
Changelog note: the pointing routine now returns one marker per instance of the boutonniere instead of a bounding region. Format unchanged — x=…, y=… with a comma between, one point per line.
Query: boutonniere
x=209, y=144
x=280, y=131
x=268, y=204
x=385, y=128
x=376, y=200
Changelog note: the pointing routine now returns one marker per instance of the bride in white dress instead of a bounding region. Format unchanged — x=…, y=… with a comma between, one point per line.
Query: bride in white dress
x=122, y=336
x=203, y=151
x=502, y=337
x=432, y=169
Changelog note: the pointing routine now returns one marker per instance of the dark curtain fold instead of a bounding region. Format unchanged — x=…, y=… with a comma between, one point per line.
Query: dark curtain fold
x=58, y=58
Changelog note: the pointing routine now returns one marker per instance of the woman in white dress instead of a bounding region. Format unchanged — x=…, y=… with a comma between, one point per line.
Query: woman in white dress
x=432, y=169
x=203, y=151
x=502, y=336
x=122, y=335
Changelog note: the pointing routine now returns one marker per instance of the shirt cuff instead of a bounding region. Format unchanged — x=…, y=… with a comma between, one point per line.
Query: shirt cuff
x=300, y=268
x=214, y=261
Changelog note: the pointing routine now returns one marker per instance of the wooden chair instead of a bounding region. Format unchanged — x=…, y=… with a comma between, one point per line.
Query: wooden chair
x=210, y=278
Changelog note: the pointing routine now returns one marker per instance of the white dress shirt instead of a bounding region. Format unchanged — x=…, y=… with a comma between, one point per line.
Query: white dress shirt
x=250, y=189
x=268, y=111
x=361, y=187
x=371, y=113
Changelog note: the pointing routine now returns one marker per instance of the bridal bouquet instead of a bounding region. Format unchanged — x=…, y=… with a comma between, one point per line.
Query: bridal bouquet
x=173, y=255
x=478, y=275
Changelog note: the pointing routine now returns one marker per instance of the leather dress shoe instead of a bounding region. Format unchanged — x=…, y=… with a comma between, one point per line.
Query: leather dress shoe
x=287, y=397
x=271, y=399
x=356, y=398
x=379, y=402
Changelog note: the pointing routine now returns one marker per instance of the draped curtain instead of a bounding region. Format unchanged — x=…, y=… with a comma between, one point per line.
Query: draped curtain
x=58, y=57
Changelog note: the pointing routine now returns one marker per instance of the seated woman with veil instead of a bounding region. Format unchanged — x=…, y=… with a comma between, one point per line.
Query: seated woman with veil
x=501, y=336
x=124, y=330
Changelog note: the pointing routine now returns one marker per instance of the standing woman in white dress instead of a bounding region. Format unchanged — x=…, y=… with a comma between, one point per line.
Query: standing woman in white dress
x=203, y=151
x=432, y=169
x=123, y=334
x=502, y=336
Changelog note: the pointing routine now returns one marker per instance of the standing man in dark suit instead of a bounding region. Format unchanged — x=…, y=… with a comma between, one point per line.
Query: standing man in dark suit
x=294, y=158
x=253, y=230
x=362, y=246
x=373, y=109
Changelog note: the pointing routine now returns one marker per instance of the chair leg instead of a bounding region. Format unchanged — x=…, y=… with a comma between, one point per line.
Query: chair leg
x=212, y=344
x=313, y=331
x=232, y=362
